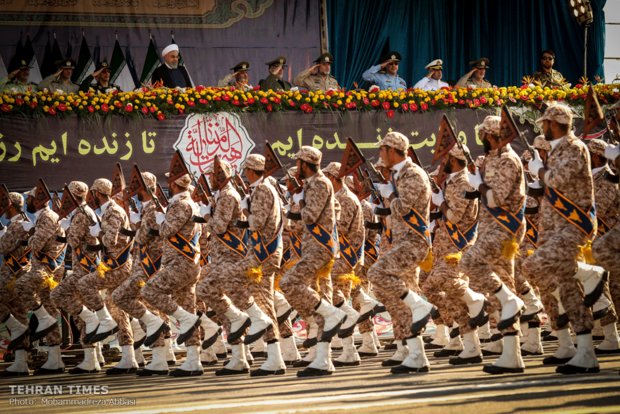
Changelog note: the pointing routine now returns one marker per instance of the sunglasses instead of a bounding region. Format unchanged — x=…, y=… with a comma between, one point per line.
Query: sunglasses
x=547, y=58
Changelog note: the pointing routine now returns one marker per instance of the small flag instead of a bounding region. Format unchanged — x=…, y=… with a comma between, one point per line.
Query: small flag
x=52, y=56
x=151, y=62
x=177, y=167
x=136, y=182
x=119, y=71
x=41, y=195
x=31, y=58
x=271, y=161
x=161, y=196
x=446, y=139
x=507, y=128
x=85, y=65
x=67, y=203
x=221, y=177
x=351, y=158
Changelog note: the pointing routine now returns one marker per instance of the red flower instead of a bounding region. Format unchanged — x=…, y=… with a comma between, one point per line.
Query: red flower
x=129, y=107
x=483, y=99
x=386, y=105
x=33, y=104
x=5, y=108
x=226, y=98
x=251, y=101
x=413, y=107
x=90, y=108
x=62, y=107
x=476, y=102
x=375, y=103
x=118, y=104
x=276, y=100
x=424, y=106
x=105, y=108
x=236, y=102
x=405, y=107
x=264, y=100
x=291, y=103
x=160, y=116
x=52, y=111
x=145, y=110
x=152, y=109
x=365, y=100
x=19, y=101
x=269, y=108
x=191, y=103
x=202, y=101
x=390, y=113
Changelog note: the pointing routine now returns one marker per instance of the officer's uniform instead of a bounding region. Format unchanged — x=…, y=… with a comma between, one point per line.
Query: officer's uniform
x=53, y=83
x=14, y=85
x=317, y=81
x=550, y=79
x=89, y=82
x=429, y=84
x=471, y=82
x=383, y=80
x=229, y=80
x=273, y=82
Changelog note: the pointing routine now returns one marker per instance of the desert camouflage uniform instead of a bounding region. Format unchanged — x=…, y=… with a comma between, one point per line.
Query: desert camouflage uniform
x=554, y=262
x=389, y=274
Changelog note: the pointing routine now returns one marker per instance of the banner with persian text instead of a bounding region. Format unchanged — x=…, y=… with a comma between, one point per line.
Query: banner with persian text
x=61, y=150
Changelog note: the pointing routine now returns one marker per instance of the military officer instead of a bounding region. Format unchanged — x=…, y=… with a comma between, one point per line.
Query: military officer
x=385, y=74
x=99, y=80
x=275, y=79
x=317, y=77
x=547, y=76
x=17, y=81
x=238, y=79
x=61, y=80
x=475, y=77
x=432, y=81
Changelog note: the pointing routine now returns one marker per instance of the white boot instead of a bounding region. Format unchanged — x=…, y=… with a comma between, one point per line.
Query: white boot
x=91, y=322
x=375, y=338
x=367, y=305
x=239, y=322
x=260, y=323
x=238, y=363
x=139, y=356
x=99, y=353
x=208, y=356
x=53, y=364
x=310, y=355
x=138, y=333
x=336, y=343
x=601, y=307
x=19, y=367
x=155, y=326
x=321, y=365
x=348, y=326
x=290, y=353
x=441, y=338
x=584, y=360
x=597, y=330
x=368, y=347
x=312, y=332
x=566, y=350
x=158, y=364
x=399, y=355
x=127, y=364
x=484, y=332
x=18, y=331
x=220, y=347
x=533, y=305
x=107, y=325
x=334, y=319
x=274, y=365
x=248, y=355
x=283, y=308
x=191, y=366
x=46, y=323
x=89, y=364
x=189, y=322
x=593, y=279
x=511, y=307
x=420, y=311
x=349, y=356
x=611, y=343
x=471, y=353
x=211, y=331
x=171, y=358
x=494, y=347
x=510, y=360
x=533, y=343
x=475, y=308
x=259, y=348
x=416, y=361
x=524, y=328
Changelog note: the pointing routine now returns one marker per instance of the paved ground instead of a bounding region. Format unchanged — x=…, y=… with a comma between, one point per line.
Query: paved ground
x=365, y=389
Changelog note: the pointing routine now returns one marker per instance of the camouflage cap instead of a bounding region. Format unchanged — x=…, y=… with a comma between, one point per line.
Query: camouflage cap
x=597, y=146
x=102, y=185
x=149, y=180
x=557, y=112
x=183, y=181
x=254, y=162
x=78, y=188
x=395, y=140
x=31, y=193
x=540, y=143
x=309, y=154
x=490, y=125
x=458, y=153
x=16, y=199
x=333, y=169
x=226, y=167
x=325, y=58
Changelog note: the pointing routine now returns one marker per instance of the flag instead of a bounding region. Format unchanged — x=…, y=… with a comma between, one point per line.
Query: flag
x=272, y=162
x=85, y=65
x=55, y=202
x=41, y=195
x=151, y=62
x=67, y=203
x=182, y=63
x=161, y=196
x=446, y=139
x=177, y=167
x=351, y=158
x=136, y=182
x=3, y=72
x=91, y=200
x=30, y=57
x=132, y=67
x=507, y=128
x=14, y=63
x=593, y=113
x=414, y=156
x=52, y=56
x=119, y=71
x=118, y=179
x=204, y=183
x=221, y=177
x=360, y=185
x=5, y=201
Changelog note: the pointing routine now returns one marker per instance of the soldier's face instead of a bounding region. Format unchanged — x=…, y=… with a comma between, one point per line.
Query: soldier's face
x=66, y=73
x=242, y=77
x=546, y=61
x=392, y=68
x=30, y=205
x=386, y=153
x=547, y=130
x=437, y=74
x=325, y=68
x=479, y=73
x=23, y=75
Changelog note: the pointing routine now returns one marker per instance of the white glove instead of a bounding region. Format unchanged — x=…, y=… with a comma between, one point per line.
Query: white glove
x=535, y=184
x=298, y=197
x=612, y=152
x=386, y=190
x=535, y=164
x=431, y=226
x=27, y=225
x=287, y=208
x=135, y=217
x=474, y=180
x=205, y=210
x=245, y=201
x=438, y=198
x=95, y=229
x=65, y=223
x=160, y=217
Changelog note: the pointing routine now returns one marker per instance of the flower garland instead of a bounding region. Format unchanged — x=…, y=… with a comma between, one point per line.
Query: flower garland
x=161, y=103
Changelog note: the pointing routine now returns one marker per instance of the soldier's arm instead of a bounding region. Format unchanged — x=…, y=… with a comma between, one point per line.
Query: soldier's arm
x=224, y=213
x=44, y=231
x=500, y=186
x=148, y=224
x=225, y=81
x=262, y=203
x=13, y=237
x=347, y=214
x=300, y=79
x=564, y=167
x=177, y=215
x=409, y=191
x=315, y=198
x=78, y=230
x=111, y=228
x=370, y=75
x=456, y=204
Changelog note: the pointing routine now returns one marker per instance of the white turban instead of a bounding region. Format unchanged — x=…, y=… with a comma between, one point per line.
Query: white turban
x=169, y=48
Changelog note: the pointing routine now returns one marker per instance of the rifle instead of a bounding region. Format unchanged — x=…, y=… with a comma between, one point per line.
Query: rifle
x=80, y=207
x=297, y=186
x=148, y=190
x=414, y=157
x=240, y=186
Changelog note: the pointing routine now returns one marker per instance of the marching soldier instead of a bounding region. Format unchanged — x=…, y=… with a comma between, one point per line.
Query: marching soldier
x=16, y=252
x=489, y=263
x=455, y=232
x=115, y=267
x=85, y=258
x=48, y=253
x=567, y=221
x=409, y=198
x=319, y=247
x=172, y=289
x=344, y=273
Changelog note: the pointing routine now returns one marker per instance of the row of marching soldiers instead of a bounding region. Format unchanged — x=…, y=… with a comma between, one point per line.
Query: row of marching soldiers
x=243, y=262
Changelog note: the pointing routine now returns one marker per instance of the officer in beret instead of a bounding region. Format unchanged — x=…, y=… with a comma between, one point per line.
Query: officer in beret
x=475, y=77
x=17, y=80
x=61, y=80
x=238, y=79
x=432, y=81
x=171, y=74
x=99, y=80
x=385, y=75
x=317, y=76
x=274, y=81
